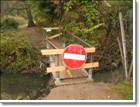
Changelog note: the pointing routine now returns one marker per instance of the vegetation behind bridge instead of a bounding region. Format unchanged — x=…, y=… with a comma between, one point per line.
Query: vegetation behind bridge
x=95, y=22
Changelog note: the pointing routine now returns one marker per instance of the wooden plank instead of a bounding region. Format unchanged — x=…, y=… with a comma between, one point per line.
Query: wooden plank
x=55, y=69
x=90, y=50
x=121, y=50
x=62, y=68
x=54, y=36
x=52, y=51
x=60, y=51
x=91, y=65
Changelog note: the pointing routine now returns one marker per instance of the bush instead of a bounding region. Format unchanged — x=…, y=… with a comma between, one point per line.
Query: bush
x=8, y=23
x=40, y=21
x=22, y=22
x=16, y=52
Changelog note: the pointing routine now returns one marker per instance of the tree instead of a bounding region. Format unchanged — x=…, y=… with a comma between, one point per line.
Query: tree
x=29, y=13
x=18, y=8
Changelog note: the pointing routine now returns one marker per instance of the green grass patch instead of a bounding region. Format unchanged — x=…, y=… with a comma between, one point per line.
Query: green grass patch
x=23, y=86
x=124, y=89
x=22, y=22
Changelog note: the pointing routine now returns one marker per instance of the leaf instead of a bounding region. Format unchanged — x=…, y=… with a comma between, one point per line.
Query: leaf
x=93, y=28
x=19, y=97
x=107, y=3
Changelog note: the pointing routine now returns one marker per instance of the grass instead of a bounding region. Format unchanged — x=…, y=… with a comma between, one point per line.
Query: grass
x=21, y=21
x=124, y=90
x=23, y=86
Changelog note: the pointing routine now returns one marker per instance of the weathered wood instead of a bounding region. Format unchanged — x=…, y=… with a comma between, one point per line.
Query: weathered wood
x=123, y=44
x=60, y=51
x=130, y=69
x=91, y=65
x=121, y=50
x=52, y=44
x=54, y=36
x=55, y=69
x=62, y=68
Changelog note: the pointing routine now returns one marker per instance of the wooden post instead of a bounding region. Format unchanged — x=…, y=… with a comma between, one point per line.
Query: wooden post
x=130, y=69
x=123, y=44
x=121, y=50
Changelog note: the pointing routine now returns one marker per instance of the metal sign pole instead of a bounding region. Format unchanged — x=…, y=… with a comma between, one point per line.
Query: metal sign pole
x=57, y=79
x=90, y=70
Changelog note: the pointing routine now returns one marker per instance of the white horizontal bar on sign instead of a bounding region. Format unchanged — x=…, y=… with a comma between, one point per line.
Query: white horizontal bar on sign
x=60, y=51
x=62, y=68
x=74, y=56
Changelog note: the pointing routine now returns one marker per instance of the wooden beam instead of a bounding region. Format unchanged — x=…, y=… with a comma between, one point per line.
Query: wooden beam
x=52, y=51
x=121, y=50
x=62, y=68
x=90, y=50
x=60, y=51
x=52, y=44
x=54, y=36
x=91, y=65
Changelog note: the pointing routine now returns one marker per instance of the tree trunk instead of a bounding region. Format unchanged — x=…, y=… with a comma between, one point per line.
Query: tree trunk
x=29, y=15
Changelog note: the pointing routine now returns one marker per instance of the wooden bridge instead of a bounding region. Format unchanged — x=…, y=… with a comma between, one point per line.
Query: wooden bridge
x=55, y=49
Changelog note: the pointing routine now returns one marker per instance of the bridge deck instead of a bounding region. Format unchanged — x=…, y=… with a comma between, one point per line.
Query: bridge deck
x=68, y=73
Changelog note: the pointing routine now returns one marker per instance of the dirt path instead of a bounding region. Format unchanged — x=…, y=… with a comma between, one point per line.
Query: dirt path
x=82, y=91
x=36, y=38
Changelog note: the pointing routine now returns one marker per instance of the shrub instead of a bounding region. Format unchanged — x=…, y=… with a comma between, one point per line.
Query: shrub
x=40, y=21
x=16, y=52
x=8, y=23
x=22, y=22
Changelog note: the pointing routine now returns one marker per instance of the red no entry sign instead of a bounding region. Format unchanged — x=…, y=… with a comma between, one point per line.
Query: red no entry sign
x=74, y=56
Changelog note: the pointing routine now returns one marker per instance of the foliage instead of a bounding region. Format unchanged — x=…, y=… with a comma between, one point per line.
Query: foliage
x=22, y=22
x=97, y=23
x=8, y=23
x=47, y=12
x=82, y=18
x=12, y=8
x=16, y=52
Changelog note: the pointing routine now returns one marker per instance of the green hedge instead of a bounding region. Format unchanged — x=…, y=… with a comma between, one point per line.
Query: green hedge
x=16, y=52
x=8, y=24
